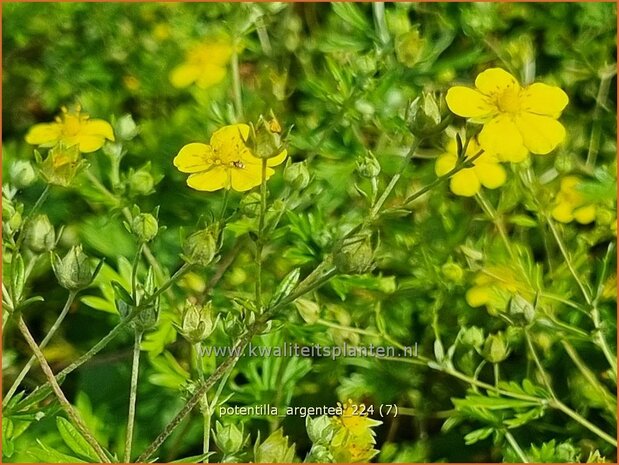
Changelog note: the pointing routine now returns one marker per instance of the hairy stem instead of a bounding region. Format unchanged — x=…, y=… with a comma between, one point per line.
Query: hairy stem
x=133, y=393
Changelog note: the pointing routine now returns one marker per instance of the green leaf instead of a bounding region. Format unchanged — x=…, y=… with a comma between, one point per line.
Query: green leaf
x=478, y=435
x=350, y=13
x=74, y=440
x=194, y=458
x=286, y=286
x=122, y=293
x=99, y=303
x=45, y=454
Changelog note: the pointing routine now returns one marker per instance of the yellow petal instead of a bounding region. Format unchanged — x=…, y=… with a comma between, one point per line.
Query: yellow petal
x=586, y=214
x=193, y=158
x=491, y=175
x=229, y=142
x=465, y=183
x=469, y=103
x=445, y=163
x=478, y=296
x=210, y=75
x=184, y=75
x=543, y=99
x=98, y=127
x=278, y=159
x=89, y=143
x=495, y=81
x=43, y=134
x=211, y=180
x=541, y=134
x=248, y=177
x=501, y=136
x=563, y=212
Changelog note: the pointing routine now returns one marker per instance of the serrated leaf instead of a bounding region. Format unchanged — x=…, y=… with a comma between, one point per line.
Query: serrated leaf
x=74, y=440
x=477, y=435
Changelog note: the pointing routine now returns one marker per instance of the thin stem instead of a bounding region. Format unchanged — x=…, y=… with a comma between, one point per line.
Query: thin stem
x=134, y=272
x=236, y=83
x=497, y=374
x=206, y=411
x=381, y=24
x=133, y=393
x=498, y=222
x=263, y=36
x=43, y=344
x=512, y=442
x=68, y=408
x=600, y=104
x=261, y=238
x=538, y=363
x=583, y=421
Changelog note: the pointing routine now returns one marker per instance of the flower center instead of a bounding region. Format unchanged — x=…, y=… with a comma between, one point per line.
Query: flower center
x=71, y=125
x=509, y=100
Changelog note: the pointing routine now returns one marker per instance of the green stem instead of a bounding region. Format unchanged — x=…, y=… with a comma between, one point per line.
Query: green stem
x=498, y=222
x=206, y=411
x=261, y=238
x=583, y=421
x=66, y=405
x=43, y=344
x=538, y=364
x=134, y=272
x=133, y=392
x=600, y=104
x=516, y=447
x=381, y=24
x=236, y=83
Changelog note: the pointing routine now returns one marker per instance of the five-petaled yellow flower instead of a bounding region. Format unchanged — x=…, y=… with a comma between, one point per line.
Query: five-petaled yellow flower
x=226, y=162
x=571, y=205
x=205, y=65
x=516, y=119
x=486, y=170
x=72, y=128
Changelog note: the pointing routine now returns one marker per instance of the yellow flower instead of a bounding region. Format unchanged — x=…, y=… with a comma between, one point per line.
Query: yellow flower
x=493, y=287
x=516, y=119
x=72, y=128
x=353, y=440
x=226, y=162
x=205, y=65
x=571, y=205
x=486, y=170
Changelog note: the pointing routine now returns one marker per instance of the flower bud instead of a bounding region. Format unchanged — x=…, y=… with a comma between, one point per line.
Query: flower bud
x=355, y=256
x=126, y=129
x=520, y=310
x=424, y=116
x=22, y=173
x=61, y=165
x=319, y=429
x=409, y=47
x=197, y=323
x=473, y=337
x=495, y=348
x=40, y=235
x=250, y=204
x=200, y=247
x=149, y=315
x=297, y=175
x=73, y=271
x=229, y=438
x=141, y=182
x=11, y=217
x=145, y=227
x=452, y=272
x=368, y=166
x=274, y=449
x=309, y=310
x=267, y=141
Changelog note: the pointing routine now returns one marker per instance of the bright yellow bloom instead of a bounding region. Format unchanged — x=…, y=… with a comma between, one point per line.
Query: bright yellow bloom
x=486, y=170
x=353, y=440
x=571, y=205
x=494, y=285
x=226, y=162
x=205, y=65
x=516, y=119
x=72, y=128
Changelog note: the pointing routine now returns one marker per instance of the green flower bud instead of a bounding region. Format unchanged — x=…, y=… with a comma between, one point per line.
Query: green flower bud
x=229, y=438
x=148, y=316
x=309, y=310
x=61, y=165
x=368, y=166
x=201, y=247
x=267, y=139
x=320, y=429
x=297, y=175
x=274, y=449
x=145, y=227
x=73, y=271
x=452, y=272
x=22, y=173
x=409, y=47
x=126, y=129
x=141, y=182
x=355, y=255
x=424, y=116
x=495, y=348
x=40, y=235
x=197, y=323
x=473, y=337
x=11, y=217
x=250, y=204
x=520, y=310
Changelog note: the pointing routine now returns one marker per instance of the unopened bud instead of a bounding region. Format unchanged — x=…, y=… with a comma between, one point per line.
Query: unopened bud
x=197, y=323
x=409, y=47
x=229, y=438
x=453, y=272
x=368, y=166
x=495, y=348
x=126, y=128
x=200, y=247
x=73, y=271
x=473, y=337
x=22, y=173
x=40, y=234
x=355, y=256
x=267, y=141
x=320, y=429
x=11, y=217
x=149, y=314
x=141, y=182
x=520, y=310
x=297, y=175
x=274, y=449
x=424, y=118
x=309, y=310
x=61, y=165
x=145, y=227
